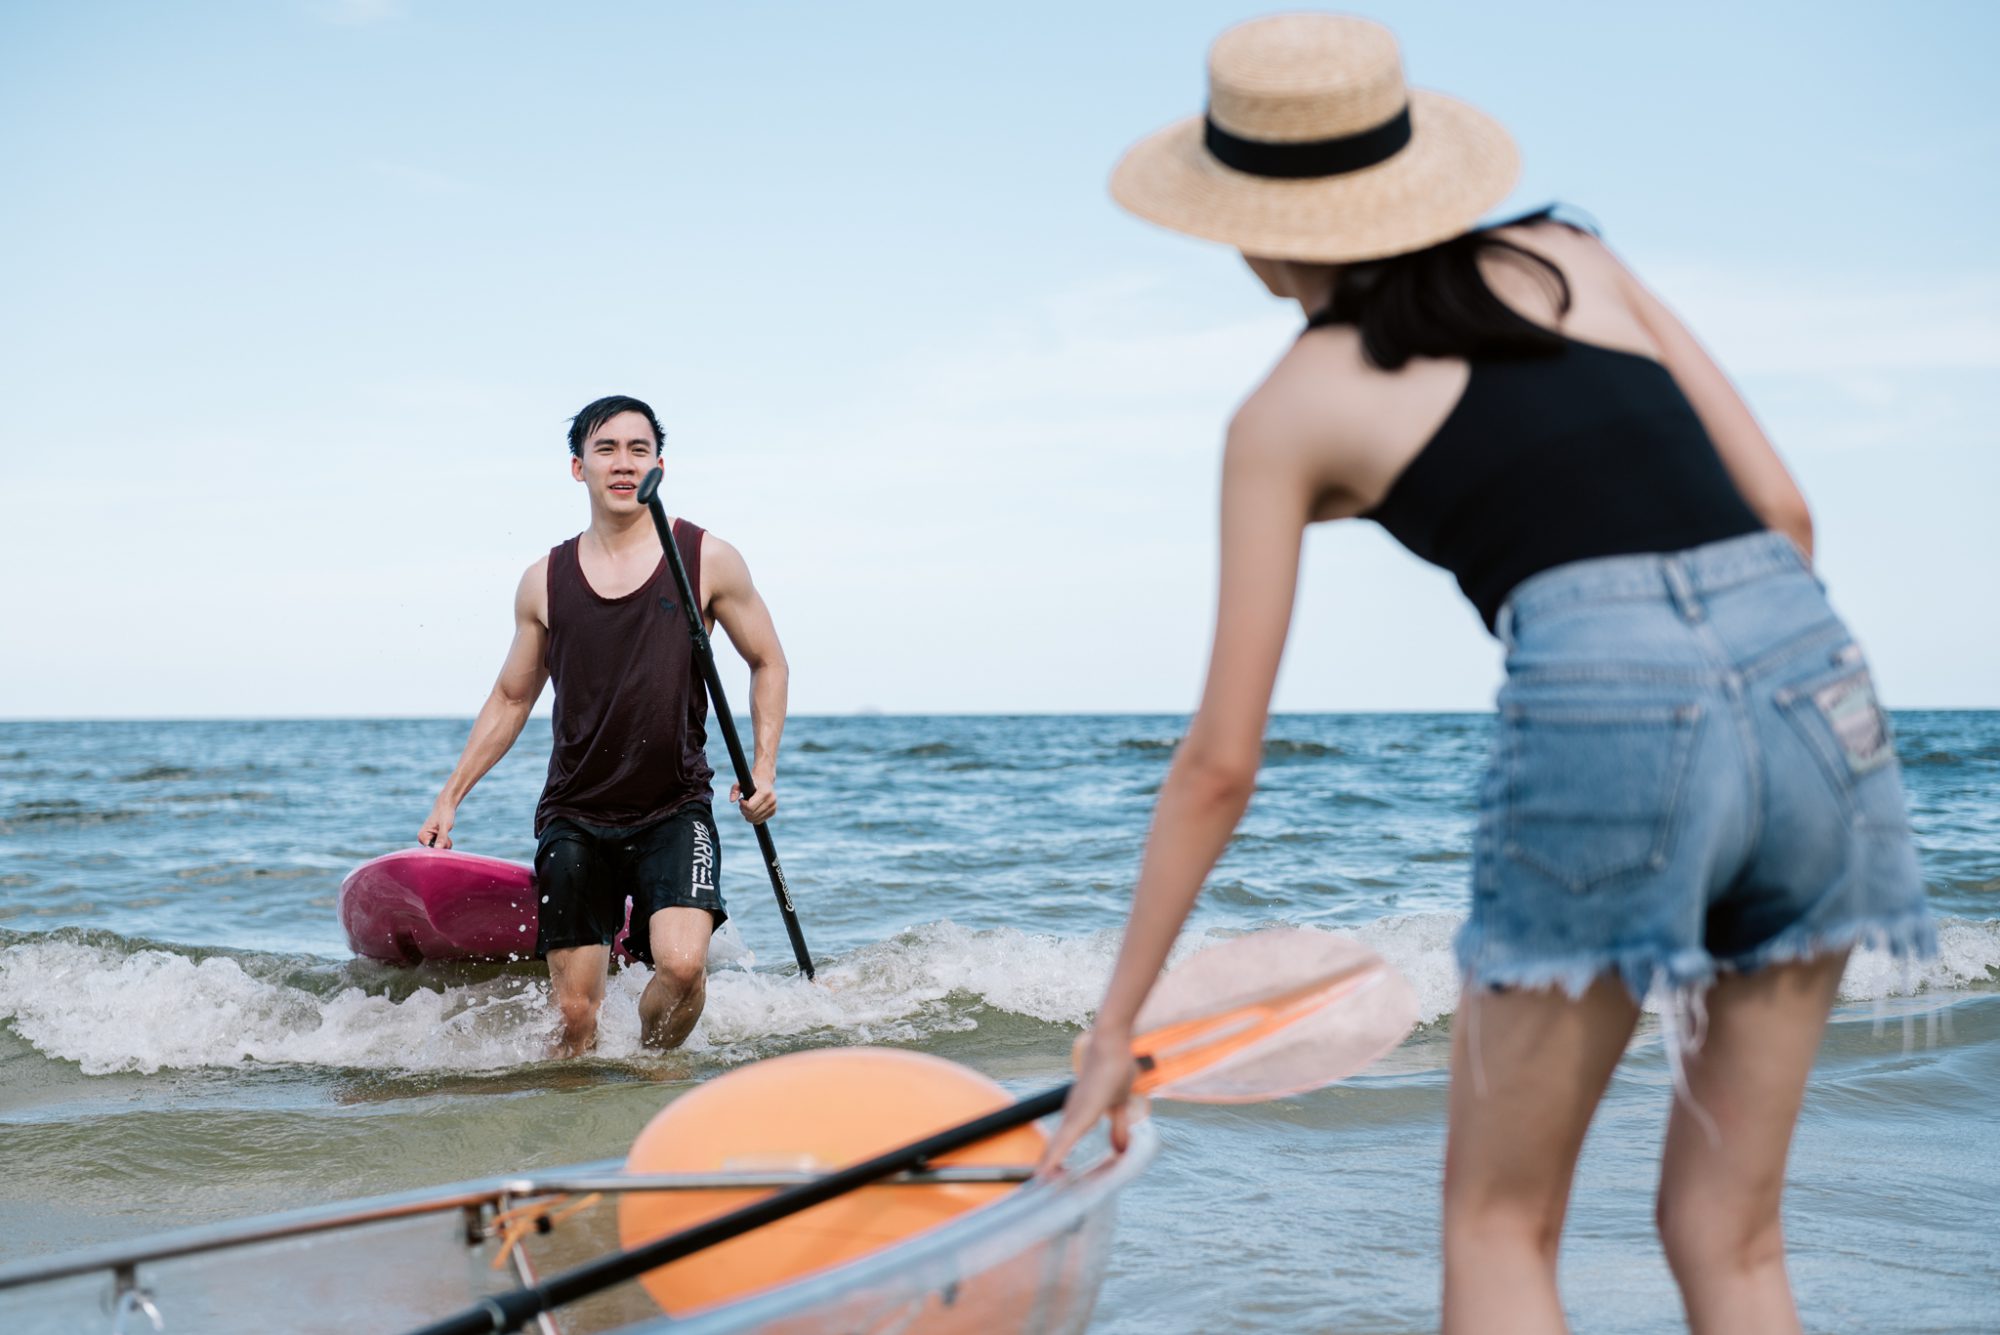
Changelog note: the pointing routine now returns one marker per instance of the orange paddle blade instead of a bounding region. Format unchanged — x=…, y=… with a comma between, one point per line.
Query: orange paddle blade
x=1271, y=1013
x=1174, y=1052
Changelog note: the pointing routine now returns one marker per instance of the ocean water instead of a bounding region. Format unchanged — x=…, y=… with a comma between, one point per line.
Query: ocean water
x=184, y=1036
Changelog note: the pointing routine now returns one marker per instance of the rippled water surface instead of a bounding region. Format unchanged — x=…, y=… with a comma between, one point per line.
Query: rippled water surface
x=184, y=1035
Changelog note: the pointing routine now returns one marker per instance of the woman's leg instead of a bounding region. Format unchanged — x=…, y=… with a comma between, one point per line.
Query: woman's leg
x=1527, y=1070
x=1718, y=1207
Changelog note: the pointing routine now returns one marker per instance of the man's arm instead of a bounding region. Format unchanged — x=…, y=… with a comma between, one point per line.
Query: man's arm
x=735, y=603
x=505, y=712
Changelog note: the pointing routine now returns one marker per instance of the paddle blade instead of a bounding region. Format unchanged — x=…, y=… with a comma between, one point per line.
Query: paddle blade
x=1275, y=1012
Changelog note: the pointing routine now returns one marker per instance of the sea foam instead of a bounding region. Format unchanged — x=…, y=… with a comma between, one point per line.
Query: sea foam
x=113, y=1007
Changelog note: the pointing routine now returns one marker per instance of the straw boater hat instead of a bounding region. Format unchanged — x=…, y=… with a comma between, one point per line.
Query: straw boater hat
x=1314, y=148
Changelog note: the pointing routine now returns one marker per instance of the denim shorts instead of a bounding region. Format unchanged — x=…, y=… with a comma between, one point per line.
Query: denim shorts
x=1691, y=774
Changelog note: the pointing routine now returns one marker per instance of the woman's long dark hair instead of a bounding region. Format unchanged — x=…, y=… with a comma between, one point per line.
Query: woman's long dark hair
x=1435, y=302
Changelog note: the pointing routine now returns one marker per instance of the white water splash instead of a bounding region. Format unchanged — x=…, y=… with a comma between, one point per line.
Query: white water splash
x=111, y=1009
x=1968, y=952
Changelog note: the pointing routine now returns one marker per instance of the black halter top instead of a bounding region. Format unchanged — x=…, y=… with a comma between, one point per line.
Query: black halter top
x=1584, y=453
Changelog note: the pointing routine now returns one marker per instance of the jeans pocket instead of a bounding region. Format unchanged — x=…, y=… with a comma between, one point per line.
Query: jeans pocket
x=1835, y=710
x=1593, y=789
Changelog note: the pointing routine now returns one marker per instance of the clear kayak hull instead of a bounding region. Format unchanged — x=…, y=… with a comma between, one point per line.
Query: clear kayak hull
x=1030, y=1262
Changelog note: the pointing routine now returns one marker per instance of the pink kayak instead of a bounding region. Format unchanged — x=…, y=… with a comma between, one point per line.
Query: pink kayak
x=420, y=904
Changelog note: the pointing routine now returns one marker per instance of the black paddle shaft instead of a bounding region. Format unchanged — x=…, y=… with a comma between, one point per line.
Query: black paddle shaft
x=649, y=494
x=512, y=1310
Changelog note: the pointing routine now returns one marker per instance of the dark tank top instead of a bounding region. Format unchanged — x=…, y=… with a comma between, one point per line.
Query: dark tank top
x=631, y=716
x=1585, y=453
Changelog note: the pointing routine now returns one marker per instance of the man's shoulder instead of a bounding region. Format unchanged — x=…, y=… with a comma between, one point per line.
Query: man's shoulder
x=713, y=544
x=539, y=567
x=719, y=553
x=531, y=595
x=724, y=572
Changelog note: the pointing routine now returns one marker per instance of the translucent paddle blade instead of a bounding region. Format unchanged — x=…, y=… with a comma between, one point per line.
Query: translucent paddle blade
x=1272, y=1013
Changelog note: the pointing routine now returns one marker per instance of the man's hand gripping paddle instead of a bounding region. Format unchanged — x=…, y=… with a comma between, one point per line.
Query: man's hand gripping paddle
x=704, y=656
x=1258, y=1017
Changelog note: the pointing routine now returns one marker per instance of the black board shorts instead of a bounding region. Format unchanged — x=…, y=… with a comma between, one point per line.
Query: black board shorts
x=584, y=874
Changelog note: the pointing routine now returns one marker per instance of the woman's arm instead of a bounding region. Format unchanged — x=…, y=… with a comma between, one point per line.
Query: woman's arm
x=1266, y=499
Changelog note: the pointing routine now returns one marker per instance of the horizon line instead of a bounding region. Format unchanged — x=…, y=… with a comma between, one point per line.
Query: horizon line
x=10, y=720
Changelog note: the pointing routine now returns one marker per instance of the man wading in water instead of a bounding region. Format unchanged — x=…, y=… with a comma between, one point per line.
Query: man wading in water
x=626, y=810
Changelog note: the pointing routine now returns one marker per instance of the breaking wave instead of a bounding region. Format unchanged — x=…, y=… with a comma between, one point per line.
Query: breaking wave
x=110, y=1004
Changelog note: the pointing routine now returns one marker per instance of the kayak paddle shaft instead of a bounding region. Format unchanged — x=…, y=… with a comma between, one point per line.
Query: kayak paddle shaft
x=649, y=494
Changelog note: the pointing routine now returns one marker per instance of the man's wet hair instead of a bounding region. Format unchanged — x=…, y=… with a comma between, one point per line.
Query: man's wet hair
x=594, y=415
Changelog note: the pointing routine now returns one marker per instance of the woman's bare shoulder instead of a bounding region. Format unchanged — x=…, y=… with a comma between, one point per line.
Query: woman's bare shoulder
x=1346, y=425
x=1315, y=384
x=1603, y=294
x=1556, y=239
x=1329, y=367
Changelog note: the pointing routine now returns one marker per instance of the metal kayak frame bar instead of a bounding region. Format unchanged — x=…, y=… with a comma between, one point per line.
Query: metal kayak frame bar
x=473, y=1198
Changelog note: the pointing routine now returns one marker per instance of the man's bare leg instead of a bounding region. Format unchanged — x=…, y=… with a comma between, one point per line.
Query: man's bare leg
x=576, y=985
x=673, y=1000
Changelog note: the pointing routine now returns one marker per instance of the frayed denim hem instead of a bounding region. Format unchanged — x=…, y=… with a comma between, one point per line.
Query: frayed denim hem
x=1909, y=936
x=1680, y=978
x=1642, y=969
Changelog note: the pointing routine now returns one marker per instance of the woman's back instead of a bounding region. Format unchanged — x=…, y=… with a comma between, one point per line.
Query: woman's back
x=1369, y=424
x=1586, y=452
x=1497, y=469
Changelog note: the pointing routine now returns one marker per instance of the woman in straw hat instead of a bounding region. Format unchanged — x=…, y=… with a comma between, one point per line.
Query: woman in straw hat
x=1692, y=789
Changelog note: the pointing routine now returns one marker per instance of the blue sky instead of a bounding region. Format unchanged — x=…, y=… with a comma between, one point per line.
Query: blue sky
x=298, y=296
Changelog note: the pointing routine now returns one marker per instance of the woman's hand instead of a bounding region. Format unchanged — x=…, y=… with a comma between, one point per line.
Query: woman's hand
x=1103, y=1085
